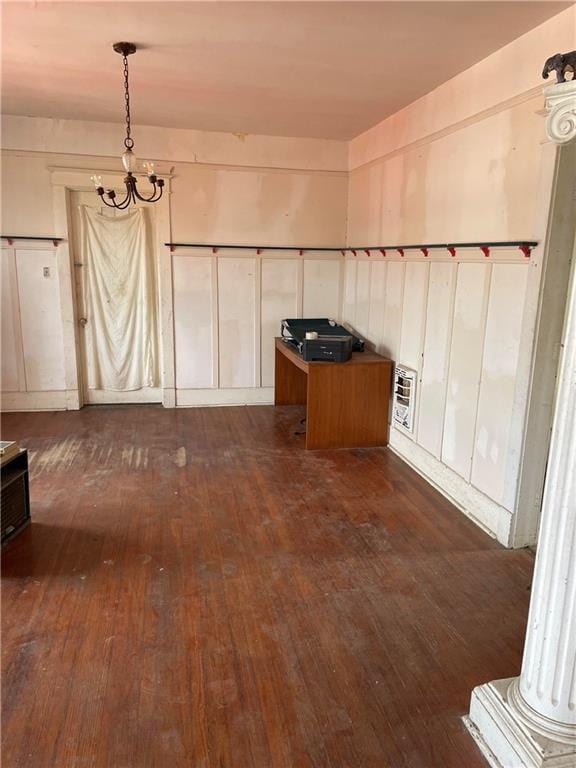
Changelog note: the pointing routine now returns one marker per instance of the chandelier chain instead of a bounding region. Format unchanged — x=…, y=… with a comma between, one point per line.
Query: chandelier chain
x=108, y=197
x=128, y=141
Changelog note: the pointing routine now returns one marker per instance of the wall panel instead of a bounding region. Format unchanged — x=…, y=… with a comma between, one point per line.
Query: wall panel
x=362, y=317
x=193, y=334
x=322, y=287
x=465, y=365
x=10, y=325
x=279, y=301
x=492, y=459
x=349, y=294
x=237, y=322
x=375, y=333
x=394, y=293
x=436, y=356
x=413, y=314
x=41, y=319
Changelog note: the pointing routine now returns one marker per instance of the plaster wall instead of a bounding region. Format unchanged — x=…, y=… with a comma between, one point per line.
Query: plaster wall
x=466, y=163
x=220, y=310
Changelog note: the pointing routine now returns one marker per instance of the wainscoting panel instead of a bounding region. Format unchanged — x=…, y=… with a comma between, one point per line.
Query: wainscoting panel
x=228, y=309
x=465, y=366
x=349, y=297
x=414, y=315
x=375, y=332
x=394, y=293
x=237, y=324
x=321, y=288
x=362, y=317
x=280, y=278
x=459, y=323
x=436, y=356
x=12, y=358
x=492, y=457
x=41, y=319
x=193, y=304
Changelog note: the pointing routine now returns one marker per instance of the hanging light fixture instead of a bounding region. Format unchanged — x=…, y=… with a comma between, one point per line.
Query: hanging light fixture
x=128, y=157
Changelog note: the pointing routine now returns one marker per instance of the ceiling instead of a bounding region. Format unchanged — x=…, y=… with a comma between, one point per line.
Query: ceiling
x=317, y=69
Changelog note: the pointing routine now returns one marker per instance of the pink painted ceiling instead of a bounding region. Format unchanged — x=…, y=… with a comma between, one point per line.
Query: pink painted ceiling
x=318, y=69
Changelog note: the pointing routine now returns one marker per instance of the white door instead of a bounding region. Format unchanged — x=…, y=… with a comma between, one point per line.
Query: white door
x=112, y=345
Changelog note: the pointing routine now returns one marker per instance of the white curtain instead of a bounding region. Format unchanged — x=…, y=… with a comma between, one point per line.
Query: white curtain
x=120, y=300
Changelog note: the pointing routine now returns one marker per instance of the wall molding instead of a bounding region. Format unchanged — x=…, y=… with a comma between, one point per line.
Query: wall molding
x=168, y=164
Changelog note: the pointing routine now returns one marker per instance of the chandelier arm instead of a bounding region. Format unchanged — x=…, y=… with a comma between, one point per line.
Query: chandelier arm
x=140, y=197
x=121, y=205
x=126, y=202
x=153, y=197
x=110, y=205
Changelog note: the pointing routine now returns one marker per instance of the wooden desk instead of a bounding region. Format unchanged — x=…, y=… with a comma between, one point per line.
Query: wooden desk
x=346, y=403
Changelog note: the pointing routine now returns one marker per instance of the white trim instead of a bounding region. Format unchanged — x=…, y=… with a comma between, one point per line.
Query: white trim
x=485, y=512
x=194, y=398
x=55, y=400
x=66, y=278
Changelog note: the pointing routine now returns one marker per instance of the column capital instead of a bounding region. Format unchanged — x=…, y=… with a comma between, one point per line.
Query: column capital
x=561, y=109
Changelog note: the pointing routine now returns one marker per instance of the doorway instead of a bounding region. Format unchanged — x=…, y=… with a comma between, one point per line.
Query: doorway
x=116, y=287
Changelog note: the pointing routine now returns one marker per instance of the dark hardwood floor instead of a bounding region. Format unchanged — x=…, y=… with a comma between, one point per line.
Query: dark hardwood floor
x=197, y=591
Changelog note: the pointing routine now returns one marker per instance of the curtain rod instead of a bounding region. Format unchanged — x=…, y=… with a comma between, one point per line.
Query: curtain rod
x=484, y=245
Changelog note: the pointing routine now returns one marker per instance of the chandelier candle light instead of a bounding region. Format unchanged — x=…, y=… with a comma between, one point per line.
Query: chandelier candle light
x=129, y=159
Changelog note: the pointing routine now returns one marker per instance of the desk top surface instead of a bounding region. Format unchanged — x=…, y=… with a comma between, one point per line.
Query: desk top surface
x=358, y=358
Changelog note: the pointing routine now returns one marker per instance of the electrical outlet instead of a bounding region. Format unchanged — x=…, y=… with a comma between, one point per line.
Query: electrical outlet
x=46, y=271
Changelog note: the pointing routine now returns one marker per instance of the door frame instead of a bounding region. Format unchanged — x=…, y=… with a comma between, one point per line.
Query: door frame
x=64, y=182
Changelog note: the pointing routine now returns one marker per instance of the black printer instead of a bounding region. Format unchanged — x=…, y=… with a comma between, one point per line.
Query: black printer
x=321, y=339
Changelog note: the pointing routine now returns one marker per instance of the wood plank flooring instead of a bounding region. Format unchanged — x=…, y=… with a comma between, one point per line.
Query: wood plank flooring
x=198, y=591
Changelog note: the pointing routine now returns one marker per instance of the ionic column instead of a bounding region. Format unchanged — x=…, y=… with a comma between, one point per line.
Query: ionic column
x=530, y=721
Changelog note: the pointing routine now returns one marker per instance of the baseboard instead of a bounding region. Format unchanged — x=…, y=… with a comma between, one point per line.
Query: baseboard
x=62, y=400
x=56, y=400
x=196, y=398
x=486, y=513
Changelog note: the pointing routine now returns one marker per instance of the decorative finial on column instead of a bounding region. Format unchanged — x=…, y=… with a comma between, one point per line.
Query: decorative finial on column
x=561, y=98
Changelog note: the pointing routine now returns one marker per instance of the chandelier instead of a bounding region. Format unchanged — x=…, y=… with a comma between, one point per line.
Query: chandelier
x=129, y=159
